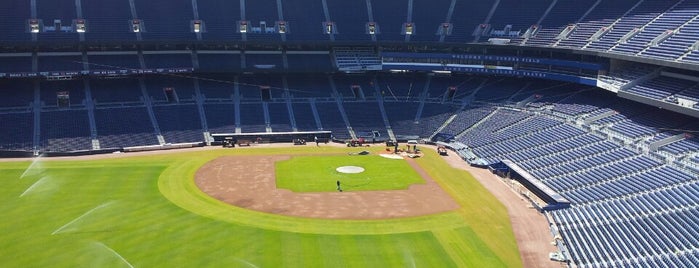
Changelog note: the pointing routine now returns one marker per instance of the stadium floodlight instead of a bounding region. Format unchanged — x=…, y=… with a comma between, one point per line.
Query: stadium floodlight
x=408, y=28
x=281, y=27
x=136, y=26
x=196, y=26
x=329, y=27
x=34, y=26
x=242, y=26
x=445, y=29
x=80, y=25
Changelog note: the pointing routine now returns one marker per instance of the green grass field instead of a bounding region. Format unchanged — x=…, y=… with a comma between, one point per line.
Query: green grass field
x=145, y=211
x=318, y=173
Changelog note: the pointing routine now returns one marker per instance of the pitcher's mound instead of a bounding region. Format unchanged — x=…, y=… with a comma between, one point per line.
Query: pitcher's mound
x=350, y=169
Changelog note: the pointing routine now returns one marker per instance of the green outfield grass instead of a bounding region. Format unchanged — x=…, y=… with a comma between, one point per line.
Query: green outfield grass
x=145, y=211
x=318, y=173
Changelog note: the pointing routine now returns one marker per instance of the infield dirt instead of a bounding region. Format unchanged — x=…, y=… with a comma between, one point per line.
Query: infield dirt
x=249, y=182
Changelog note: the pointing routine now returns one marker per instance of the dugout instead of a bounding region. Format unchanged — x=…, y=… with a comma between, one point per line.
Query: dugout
x=553, y=199
x=272, y=137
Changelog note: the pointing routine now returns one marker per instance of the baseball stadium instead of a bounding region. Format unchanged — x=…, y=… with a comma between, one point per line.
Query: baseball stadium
x=349, y=133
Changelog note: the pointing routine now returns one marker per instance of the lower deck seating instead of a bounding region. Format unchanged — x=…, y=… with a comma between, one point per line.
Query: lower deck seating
x=365, y=116
x=432, y=117
x=331, y=119
x=65, y=130
x=179, y=123
x=16, y=132
x=124, y=127
x=252, y=118
x=401, y=116
x=303, y=113
x=279, y=117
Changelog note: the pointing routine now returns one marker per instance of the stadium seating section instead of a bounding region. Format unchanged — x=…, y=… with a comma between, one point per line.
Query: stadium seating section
x=597, y=151
x=663, y=29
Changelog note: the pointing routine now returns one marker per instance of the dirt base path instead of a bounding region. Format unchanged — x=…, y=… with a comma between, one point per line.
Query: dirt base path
x=249, y=182
x=529, y=225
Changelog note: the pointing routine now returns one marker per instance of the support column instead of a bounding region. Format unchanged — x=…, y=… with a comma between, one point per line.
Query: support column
x=236, y=104
x=195, y=11
x=450, y=13
x=409, y=18
x=371, y=17
x=32, y=5
x=280, y=14
x=36, y=108
x=384, y=116
x=90, y=105
x=149, y=109
x=265, y=114
x=199, y=99
x=244, y=36
x=423, y=97
x=326, y=11
x=79, y=12
x=316, y=117
x=134, y=15
x=289, y=106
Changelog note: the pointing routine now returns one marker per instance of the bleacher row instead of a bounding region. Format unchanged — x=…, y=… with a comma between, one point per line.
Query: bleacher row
x=666, y=30
x=668, y=89
x=663, y=29
x=664, y=86
x=640, y=231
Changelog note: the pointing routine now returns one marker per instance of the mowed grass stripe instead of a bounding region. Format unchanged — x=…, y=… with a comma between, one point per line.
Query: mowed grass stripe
x=368, y=253
x=349, y=243
x=461, y=246
x=330, y=252
x=63, y=200
x=433, y=252
x=296, y=251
